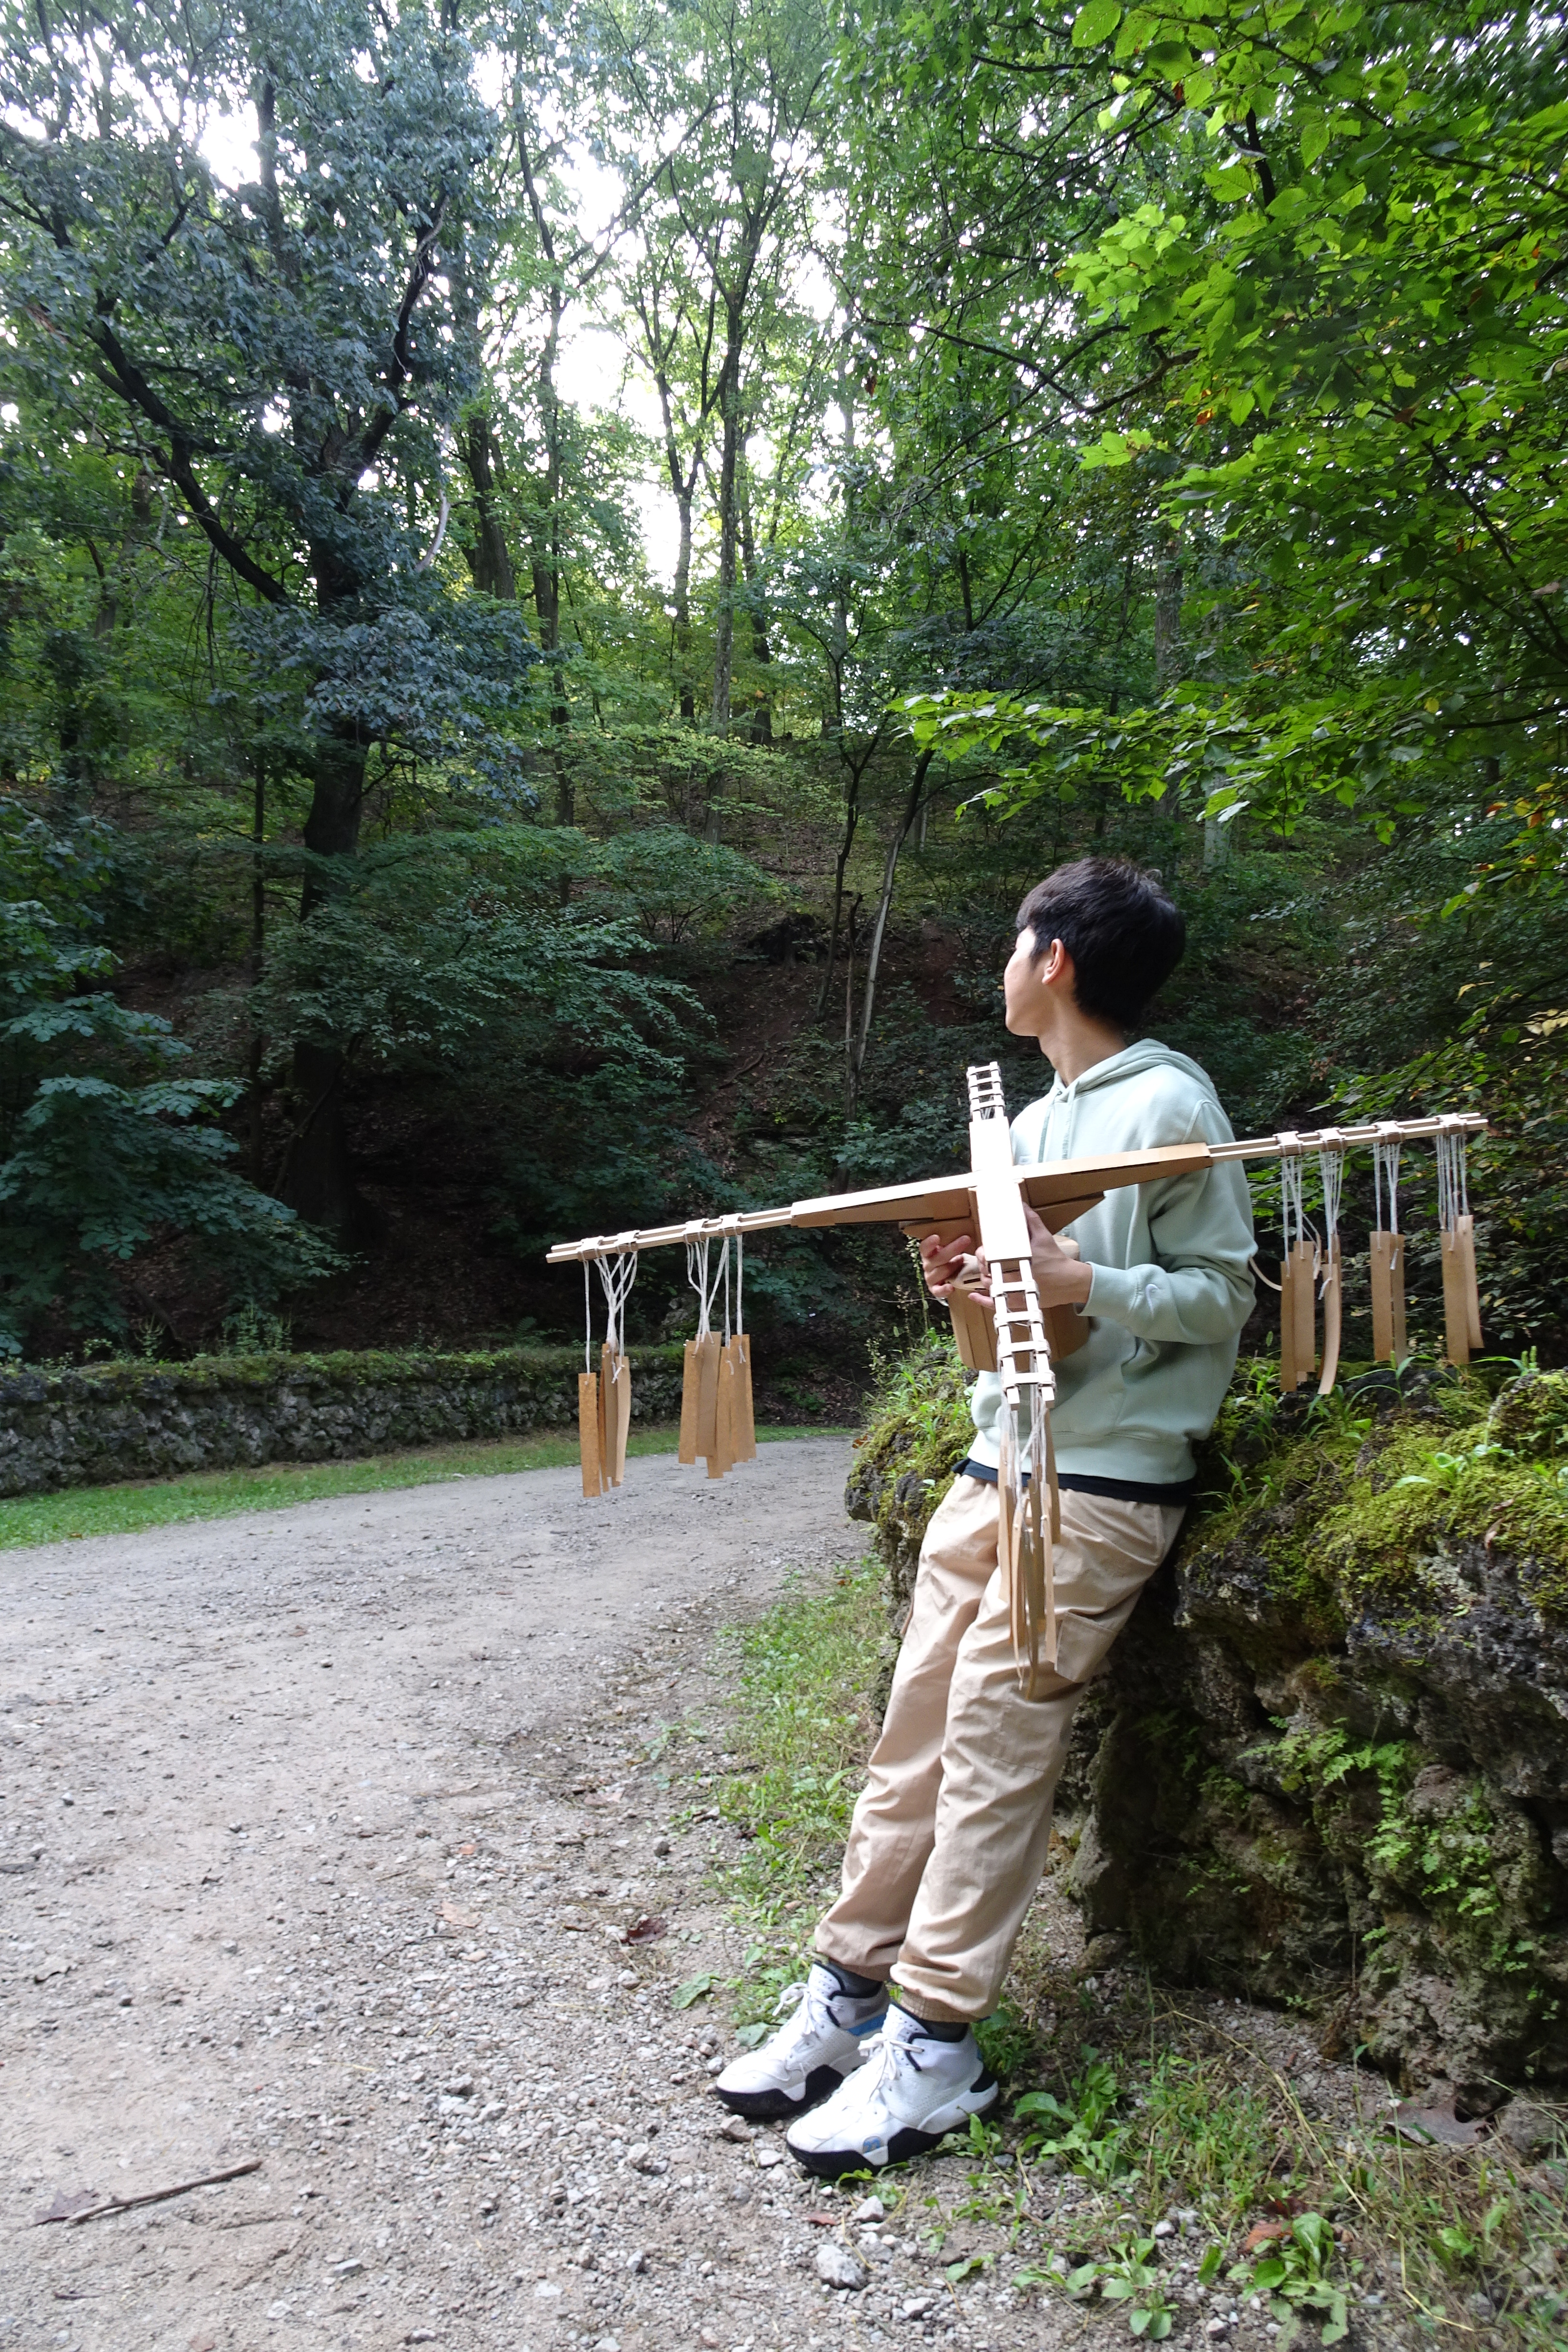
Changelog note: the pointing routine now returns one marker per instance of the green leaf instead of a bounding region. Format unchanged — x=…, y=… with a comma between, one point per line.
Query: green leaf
x=694, y=1989
x=1095, y=22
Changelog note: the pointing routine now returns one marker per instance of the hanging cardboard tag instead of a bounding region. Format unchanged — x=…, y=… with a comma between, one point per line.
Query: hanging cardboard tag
x=1333, y=1319
x=1467, y=1231
x=615, y=1410
x=588, y=1433
x=745, y=1431
x=1388, y=1299
x=1455, y=1299
x=1306, y=1309
x=623, y=1416
x=708, y=1395
x=721, y=1455
x=1290, y=1376
x=691, y=1391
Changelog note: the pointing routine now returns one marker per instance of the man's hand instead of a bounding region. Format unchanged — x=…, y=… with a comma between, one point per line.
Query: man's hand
x=1061, y=1277
x=943, y=1261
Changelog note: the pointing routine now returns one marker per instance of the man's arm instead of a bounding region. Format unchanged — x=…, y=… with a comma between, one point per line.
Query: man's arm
x=1199, y=1287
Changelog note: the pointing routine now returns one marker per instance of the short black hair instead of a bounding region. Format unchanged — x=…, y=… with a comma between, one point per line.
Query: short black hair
x=1121, y=928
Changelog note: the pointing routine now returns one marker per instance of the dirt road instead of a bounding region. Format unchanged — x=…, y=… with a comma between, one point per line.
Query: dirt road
x=317, y=1834
x=321, y=1829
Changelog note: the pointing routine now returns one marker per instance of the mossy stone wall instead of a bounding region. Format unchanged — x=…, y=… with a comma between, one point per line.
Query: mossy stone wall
x=1328, y=1761
x=108, y=1421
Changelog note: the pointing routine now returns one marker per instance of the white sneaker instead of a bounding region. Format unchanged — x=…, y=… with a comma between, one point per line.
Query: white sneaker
x=809, y=2055
x=917, y=2090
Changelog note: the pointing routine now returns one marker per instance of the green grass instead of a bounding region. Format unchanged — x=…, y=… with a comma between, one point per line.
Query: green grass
x=215, y=1494
x=807, y=1671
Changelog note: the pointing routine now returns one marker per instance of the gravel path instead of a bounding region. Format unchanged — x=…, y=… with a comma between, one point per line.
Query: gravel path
x=322, y=1829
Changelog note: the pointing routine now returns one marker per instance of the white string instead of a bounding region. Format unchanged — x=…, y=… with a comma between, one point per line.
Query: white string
x=587, y=1319
x=1292, y=1215
x=617, y=1275
x=726, y=1290
x=1453, y=1180
x=740, y=1279
x=1331, y=1172
x=697, y=1259
x=1386, y=1177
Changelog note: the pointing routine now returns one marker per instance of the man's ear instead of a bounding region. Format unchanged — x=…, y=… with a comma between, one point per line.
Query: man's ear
x=1056, y=967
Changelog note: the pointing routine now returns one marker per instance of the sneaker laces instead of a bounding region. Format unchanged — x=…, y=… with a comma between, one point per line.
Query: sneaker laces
x=881, y=2068
x=814, y=2016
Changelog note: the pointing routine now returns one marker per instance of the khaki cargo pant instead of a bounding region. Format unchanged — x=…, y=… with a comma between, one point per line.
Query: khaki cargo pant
x=950, y=1835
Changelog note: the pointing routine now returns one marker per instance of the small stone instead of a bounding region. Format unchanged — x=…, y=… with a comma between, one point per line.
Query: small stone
x=837, y=2266
x=1530, y=2131
x=768, y=2157
x=629, y=1977
x=918, y=2305
x=230, y=1947
x=547, y=2290
x=421, y=2336
x=636, y=2261
x=716, y=2065
x=869, y=2209
x=735, y=2128
x=661, y=1845
x=1216, y=2327
x=1164, y=2229
x=351, y=2269
x=740, y=2193
x=458, y=2087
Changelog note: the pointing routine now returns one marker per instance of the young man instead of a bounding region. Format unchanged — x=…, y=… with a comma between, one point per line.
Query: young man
x=950, y=1835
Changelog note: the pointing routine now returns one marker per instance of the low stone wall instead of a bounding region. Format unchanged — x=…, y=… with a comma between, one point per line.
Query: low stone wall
x=108, y=1421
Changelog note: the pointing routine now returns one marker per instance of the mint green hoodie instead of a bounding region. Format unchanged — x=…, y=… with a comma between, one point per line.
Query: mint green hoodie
x=1172, y=1287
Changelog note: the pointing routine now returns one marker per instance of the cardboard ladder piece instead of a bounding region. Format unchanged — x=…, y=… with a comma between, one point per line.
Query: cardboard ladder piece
x=722, y=1454
x=1298, y=1317
x=686, y=1449
x=588, y=1439
x=1461, y=1292
x=615, y=1414
x=745, y=1448
x=1388, y=1341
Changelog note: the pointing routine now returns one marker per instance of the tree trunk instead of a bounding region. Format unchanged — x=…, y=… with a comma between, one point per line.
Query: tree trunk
x=317, y=1177
x=851, y=823
x=855, y=1048
x=490, y=559
x=729, y=464
x=761, y=651
x=257, y=954
x=681, y=599
x=1168, y=613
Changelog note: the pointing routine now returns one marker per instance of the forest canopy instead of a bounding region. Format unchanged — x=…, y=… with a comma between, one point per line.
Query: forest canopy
x=561, y=571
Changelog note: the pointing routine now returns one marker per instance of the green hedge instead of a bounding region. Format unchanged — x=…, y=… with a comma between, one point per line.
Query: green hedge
x=95, y=1423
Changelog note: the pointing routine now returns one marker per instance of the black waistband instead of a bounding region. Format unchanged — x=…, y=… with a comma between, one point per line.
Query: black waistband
x=1119, y=1490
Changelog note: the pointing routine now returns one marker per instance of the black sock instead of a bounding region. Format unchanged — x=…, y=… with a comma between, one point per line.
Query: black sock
x=857, y=1988
x=937, y=2029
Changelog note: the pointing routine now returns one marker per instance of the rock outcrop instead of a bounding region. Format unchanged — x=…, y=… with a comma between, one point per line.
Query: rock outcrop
x=1329, y=1759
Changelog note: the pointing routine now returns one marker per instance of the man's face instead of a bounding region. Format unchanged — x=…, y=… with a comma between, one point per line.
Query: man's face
x=1024, y=989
